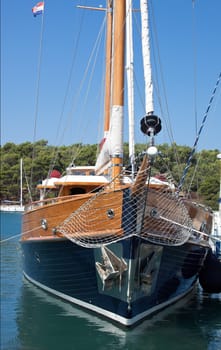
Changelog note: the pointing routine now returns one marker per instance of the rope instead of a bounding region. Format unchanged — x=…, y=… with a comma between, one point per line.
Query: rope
x=67, y=91
x=81, y=85
x=197, y=137
x=19, y=235
x=215, y=238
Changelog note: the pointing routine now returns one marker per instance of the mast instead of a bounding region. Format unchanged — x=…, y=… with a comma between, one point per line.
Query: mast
x=111, y=152
x=21, y=183
x=130, y=81
x=108, y=68
x=116, y=127
x=150, y=124
x=146, y=57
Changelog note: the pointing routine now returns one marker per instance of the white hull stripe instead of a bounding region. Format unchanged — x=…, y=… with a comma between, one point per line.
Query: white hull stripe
x=122, y=320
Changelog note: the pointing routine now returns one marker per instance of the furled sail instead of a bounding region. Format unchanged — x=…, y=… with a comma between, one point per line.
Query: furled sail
x=146, y=57
x=113, y=143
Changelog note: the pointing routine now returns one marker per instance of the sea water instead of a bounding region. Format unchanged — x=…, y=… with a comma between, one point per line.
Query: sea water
x=31, y=319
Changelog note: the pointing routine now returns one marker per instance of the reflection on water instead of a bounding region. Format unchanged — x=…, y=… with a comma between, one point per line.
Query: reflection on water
x=45, y=322
x=31, y=319
x=11, y=278
x=209, y=318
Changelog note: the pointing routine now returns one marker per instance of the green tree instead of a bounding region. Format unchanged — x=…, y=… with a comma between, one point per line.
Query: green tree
x=39, y=158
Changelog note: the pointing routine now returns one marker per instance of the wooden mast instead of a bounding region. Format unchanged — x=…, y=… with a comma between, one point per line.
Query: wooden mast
x=111, y=147
x=118, y=78
x=108, y=67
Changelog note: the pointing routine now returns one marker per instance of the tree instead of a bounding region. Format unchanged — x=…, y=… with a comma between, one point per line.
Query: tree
x=39, y=158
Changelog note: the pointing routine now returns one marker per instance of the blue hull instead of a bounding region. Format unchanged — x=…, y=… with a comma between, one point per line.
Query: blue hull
x=125, y=281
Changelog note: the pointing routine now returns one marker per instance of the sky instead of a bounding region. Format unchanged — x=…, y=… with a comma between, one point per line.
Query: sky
x=43, y=94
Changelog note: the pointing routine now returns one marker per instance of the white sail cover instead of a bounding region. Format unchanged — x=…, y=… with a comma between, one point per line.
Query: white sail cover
x=113, y=145
x=146, y=57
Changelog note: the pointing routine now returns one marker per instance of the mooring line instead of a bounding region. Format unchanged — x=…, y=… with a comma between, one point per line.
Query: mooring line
x=19, y=235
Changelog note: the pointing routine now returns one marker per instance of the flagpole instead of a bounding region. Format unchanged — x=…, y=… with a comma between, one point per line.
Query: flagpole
x=37, y=86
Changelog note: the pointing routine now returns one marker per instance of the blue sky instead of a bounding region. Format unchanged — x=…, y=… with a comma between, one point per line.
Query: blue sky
x=190, y=56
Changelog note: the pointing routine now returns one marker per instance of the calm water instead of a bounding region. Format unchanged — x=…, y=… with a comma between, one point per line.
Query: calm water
x=33, y=320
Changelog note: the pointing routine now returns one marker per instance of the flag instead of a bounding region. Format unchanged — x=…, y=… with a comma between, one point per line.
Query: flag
x=38, y=9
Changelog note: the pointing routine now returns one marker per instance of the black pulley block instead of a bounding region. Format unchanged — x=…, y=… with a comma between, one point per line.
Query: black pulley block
x=150, y=123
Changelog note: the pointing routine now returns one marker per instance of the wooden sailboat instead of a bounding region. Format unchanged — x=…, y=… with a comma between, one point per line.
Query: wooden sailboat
x=120, y=244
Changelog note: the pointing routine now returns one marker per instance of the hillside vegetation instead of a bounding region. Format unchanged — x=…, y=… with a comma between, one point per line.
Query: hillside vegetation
x=38, y=158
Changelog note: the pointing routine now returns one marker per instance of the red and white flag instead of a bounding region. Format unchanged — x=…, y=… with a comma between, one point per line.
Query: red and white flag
x=38, y=8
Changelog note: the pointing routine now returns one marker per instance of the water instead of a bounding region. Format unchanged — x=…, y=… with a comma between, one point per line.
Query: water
x=33, y=320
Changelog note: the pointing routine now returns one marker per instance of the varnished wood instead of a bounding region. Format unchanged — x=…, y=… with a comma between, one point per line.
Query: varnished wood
x=141, y=177
x=56, y=213
x=119, y=43
x=108, y=66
